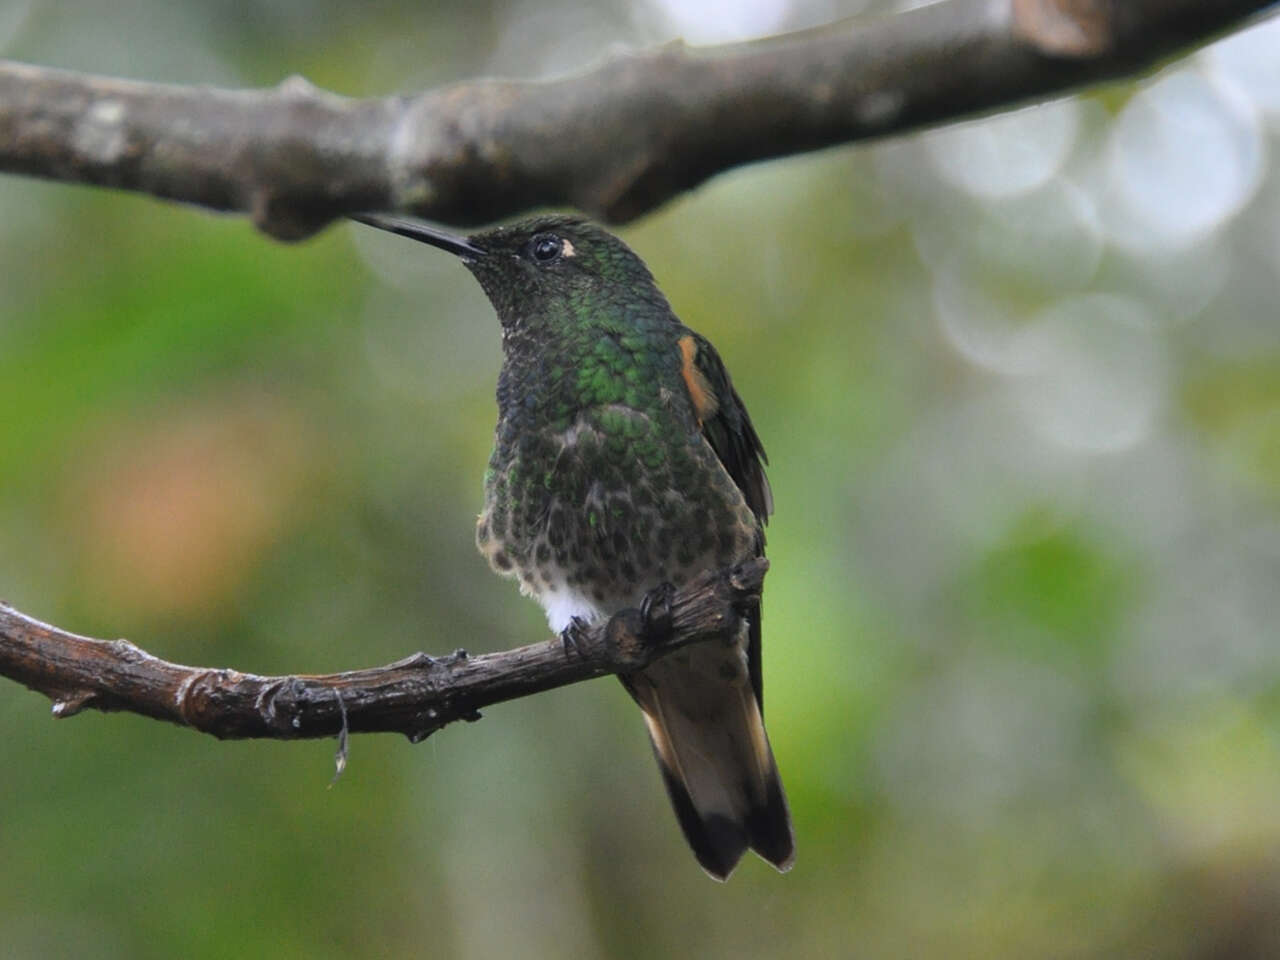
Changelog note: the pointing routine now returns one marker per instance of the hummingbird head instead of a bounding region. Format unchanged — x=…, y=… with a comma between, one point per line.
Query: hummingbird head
x=543, y=269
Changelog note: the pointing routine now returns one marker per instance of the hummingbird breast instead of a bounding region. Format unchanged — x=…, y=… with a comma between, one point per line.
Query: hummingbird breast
x=590, y=516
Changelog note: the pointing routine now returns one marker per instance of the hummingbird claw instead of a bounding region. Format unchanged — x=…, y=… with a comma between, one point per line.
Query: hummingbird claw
x=656, y=610
x=572, y=634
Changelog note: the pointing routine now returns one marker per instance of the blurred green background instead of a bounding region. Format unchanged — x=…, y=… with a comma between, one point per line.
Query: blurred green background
x=1019, y=381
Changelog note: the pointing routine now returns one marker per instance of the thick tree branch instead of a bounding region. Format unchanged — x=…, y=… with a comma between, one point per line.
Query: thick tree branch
x=415, y=696
x=615, y=142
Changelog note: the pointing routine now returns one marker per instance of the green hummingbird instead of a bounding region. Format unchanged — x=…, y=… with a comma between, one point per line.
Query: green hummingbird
x=625, y=461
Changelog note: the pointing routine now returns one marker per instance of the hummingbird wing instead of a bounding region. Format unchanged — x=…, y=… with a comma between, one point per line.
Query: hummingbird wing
x=727, y=427
x=726, y=423
x=705, y=724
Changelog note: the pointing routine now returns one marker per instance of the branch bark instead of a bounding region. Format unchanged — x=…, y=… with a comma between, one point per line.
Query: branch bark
x=615, y=142
x=415, y=696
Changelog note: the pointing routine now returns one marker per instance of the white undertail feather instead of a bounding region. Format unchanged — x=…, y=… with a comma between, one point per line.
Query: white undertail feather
x=563, y=602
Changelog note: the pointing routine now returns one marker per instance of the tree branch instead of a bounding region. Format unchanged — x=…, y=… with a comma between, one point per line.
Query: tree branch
x=615, y=142
x=415, y=696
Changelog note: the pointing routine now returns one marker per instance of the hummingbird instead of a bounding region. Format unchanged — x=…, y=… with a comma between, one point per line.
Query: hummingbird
x=623, y=461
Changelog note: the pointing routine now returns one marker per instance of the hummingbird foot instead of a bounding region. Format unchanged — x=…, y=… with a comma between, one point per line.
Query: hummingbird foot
x=656, y=612
x=570, y=636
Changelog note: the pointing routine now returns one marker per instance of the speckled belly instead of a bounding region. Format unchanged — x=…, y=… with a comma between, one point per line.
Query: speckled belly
x=607, y=509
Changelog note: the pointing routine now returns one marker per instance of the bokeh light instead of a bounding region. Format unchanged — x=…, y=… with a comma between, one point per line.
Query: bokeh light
x=1007, y=154
x=1090, y=373
x=1183, y=157
x=1247, y=61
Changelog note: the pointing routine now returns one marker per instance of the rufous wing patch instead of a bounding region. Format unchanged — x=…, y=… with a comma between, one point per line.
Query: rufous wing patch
x=705, y=401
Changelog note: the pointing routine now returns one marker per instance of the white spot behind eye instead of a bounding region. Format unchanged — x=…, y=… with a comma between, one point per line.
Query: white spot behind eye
x=568, y=250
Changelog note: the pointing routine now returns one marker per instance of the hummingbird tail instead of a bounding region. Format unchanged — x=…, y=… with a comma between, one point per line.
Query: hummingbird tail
x=710, y=743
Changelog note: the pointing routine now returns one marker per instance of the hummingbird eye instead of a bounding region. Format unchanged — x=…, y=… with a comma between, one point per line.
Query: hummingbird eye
x=546, y=247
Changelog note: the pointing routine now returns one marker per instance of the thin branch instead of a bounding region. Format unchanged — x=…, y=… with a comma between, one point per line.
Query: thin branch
x=415, y=696
x=615, y=142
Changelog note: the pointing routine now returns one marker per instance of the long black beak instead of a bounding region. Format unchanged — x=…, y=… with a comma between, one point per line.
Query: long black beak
x=458, y=246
